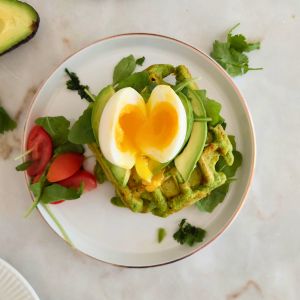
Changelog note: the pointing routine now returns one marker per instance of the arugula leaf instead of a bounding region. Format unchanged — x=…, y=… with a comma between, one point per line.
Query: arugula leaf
x=137, y=80
x=161, y=234
x=117, y=201
x=140, y=61
x=212, y=107
x=69, y=147
x=23, y=166
x=74, y=84
x=232, y=141
x=37, y=187
x=82, y=132
x=99, y=173
x=124, y=68
x=55, y=192
x=6, y=122
x=216, y=197
x=189, y=234
x=230, y=54
x=57, y=127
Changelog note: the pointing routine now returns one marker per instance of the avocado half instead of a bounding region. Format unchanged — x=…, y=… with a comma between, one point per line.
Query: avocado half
x=19, y=22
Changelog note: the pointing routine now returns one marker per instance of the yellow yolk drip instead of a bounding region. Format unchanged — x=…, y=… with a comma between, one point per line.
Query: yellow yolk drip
x=136, y=131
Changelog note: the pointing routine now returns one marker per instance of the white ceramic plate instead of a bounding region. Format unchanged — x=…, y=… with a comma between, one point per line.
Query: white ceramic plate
x=13, y=286
x=116, y=235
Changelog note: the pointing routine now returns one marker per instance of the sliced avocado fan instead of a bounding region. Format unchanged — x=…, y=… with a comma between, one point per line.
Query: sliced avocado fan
x=18, y=24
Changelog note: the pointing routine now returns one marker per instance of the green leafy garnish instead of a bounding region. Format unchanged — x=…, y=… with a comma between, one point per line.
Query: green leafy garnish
x=230, y=54
x=57, y=127
x=216, y=197
x=161, y=234
x=82, y=132
x=189, y=234
x=99, y=173
x=140, y=61
x=137, y=80
x=212, y=107
x=117, y=201
x=24, y=166
x=37, y=189
x=69, y=147
x=74, y=84
x=6, y=122
x=124, y=68
x=55, y=192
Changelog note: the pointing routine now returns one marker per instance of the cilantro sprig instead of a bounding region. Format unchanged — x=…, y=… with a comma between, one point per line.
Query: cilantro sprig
x=74, y=84
x=189, y=234
x=231, y=54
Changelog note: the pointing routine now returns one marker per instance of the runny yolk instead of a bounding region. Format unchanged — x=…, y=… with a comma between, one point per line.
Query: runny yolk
x=136, y=131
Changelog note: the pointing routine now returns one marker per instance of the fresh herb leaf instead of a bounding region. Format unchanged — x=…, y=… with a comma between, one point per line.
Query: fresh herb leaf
x=212, y=107
x=74, y=84
x=140, y=61
x=161, y=234
x=55, y=192
x=57, y=127
x=23, y=166
x=216, y=197
x=99, y=173
x=117, y=201
x=6, y=122
x=69, y=147
x=82, y=132
x=232, y=141
x=38, y=186
x=124, y=68
x=230, y=54
x=189, y=234
x=138, y=81
x=37, y=189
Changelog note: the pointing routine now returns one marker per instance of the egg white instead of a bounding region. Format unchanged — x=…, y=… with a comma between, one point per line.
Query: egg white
x=109, y=121
x=164, y=93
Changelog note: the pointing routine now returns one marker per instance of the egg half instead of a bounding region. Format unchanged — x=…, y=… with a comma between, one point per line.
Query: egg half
x=132, y=131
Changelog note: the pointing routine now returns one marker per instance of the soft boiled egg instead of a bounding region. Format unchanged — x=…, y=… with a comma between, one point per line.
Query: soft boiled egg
x=131, y=131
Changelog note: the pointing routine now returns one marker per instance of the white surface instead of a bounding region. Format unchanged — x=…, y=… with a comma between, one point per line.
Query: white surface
x=258, y=257
x=116, y=235
x=13, y=286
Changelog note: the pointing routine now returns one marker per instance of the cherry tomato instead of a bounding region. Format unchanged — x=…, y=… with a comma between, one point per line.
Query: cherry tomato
x=64, y=166
x=40, y=144
x=89, y=182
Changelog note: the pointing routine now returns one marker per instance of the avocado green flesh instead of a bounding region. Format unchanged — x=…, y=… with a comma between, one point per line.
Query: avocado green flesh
x=121, y=175
x=186, y=161
x=18, y=23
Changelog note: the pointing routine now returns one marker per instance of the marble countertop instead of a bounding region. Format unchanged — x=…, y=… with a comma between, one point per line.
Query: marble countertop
x=258, y=257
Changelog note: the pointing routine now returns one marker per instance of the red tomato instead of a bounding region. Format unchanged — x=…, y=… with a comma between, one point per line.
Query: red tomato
x=89, y=182
x=64, y=166
x=57, y=202
x=40, y=144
